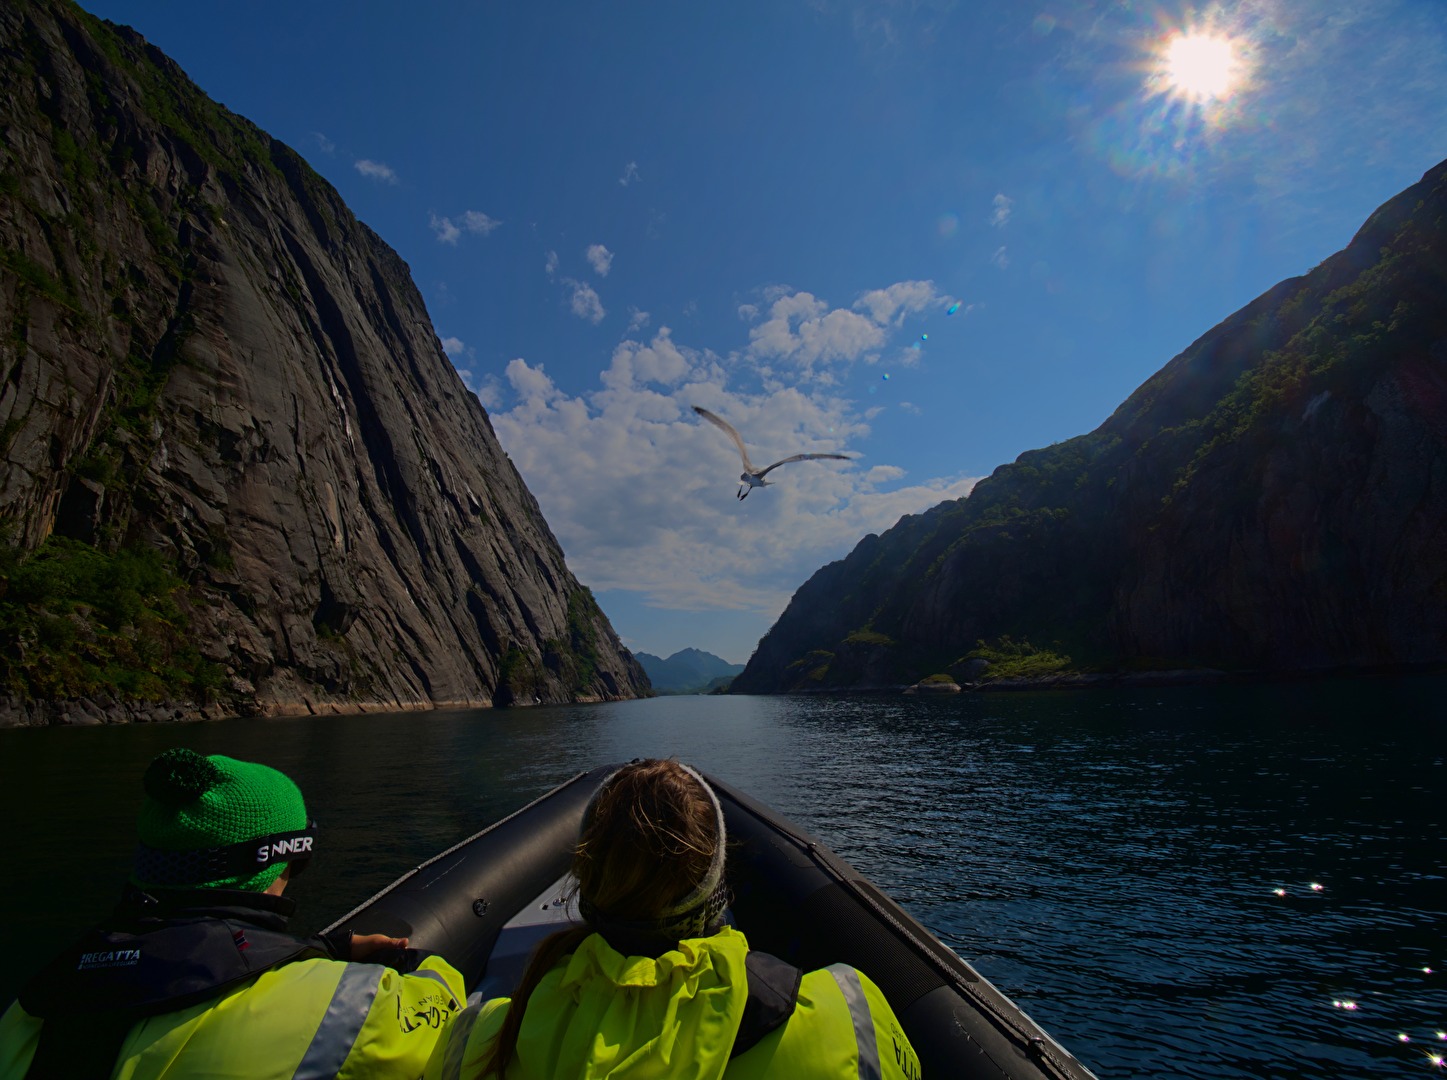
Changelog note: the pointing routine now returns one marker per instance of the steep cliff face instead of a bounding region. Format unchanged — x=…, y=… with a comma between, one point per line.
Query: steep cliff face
x=1274, y=499
x=210, y=366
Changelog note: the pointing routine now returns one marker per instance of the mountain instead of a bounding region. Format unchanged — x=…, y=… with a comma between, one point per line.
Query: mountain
x=1273, y=500
x=240, y=474
x=688, y=671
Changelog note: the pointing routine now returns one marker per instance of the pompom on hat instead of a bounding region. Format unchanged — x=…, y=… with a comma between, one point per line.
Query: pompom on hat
x=201, y=816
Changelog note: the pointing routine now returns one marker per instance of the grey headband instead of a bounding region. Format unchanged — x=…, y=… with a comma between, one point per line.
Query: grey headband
x=706, y=889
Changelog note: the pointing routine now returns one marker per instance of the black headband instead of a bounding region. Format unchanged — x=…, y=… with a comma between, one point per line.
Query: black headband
x=156, y=866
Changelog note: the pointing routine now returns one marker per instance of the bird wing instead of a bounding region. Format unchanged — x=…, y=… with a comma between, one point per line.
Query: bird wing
x=803, y=457
x=719, y=421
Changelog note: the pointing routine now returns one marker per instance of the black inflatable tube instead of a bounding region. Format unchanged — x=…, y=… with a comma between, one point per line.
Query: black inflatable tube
x=795, y=898
x=457, y=902
x=792, y=897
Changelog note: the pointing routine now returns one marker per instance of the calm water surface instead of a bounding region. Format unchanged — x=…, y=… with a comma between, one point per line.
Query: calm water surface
x=1109, y=859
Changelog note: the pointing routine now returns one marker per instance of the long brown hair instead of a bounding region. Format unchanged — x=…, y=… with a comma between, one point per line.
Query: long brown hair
x=649, y=837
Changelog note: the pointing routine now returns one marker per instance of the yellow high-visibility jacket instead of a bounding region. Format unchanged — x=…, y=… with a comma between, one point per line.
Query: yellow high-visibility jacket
x=600, y=1015
x=311, y=1018
x=208, y=983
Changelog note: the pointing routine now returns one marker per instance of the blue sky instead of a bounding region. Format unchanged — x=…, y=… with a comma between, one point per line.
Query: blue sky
x=617, y=211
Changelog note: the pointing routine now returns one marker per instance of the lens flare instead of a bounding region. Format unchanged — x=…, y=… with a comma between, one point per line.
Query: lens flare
x=953, y=308
x=1201, y=67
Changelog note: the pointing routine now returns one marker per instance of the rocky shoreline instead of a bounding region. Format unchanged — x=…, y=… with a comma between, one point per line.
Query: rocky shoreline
x=89, y=712
x=1081, y=680
x=85, y=712
x=1058, y=680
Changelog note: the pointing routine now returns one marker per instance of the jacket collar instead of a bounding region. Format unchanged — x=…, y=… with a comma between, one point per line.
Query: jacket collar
x=261, y=909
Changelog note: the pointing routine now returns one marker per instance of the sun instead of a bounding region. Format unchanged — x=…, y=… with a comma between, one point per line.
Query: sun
x=1200, y=66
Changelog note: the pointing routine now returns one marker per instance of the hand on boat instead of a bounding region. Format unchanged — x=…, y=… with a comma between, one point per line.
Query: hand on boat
x=364, y=945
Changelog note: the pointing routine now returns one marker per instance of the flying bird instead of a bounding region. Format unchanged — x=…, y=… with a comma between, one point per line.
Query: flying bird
x=752, y=477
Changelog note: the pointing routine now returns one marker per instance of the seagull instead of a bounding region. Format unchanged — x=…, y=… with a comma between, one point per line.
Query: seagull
x=751, y=477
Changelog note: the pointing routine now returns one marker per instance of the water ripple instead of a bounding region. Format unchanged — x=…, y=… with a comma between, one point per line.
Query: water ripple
x=1135, y=868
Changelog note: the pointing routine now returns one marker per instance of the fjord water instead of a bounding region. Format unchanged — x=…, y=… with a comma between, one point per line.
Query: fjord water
x=1110, y=859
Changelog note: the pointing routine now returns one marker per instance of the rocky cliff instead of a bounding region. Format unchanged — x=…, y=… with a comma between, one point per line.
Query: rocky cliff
x=1273, y=500
x=238, y=469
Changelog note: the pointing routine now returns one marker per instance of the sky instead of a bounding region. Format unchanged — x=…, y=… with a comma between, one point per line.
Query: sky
x=927, y=234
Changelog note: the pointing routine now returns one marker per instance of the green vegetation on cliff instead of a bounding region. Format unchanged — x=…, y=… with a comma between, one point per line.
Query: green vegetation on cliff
x=1011, y=659
x=79, y=622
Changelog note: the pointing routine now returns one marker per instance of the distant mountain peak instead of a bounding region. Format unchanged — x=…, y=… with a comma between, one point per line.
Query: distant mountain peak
x=687, y=671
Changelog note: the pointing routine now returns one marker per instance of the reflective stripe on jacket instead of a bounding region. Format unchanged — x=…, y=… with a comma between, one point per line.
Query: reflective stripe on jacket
x=600, y=1015
x=309, y=1019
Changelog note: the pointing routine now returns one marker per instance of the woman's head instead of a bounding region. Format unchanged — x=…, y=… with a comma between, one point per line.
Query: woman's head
x=649, y=868
x=651, y=854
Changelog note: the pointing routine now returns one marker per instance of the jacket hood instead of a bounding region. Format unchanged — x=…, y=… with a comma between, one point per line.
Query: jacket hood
x=605, y=1016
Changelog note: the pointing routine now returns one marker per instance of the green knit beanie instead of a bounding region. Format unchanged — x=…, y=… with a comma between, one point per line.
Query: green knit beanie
x=195, y=803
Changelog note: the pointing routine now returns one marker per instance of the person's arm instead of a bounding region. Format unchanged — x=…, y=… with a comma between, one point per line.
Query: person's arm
x=897, y=1059
x=408, y=1014
x=372, y=949
x=464, y=1045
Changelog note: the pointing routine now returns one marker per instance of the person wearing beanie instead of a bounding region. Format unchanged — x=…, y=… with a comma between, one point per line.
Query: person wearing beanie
x=654, y=984
x=194, y=974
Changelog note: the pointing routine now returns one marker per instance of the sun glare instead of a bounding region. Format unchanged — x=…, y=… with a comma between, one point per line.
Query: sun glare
x=1201, y=67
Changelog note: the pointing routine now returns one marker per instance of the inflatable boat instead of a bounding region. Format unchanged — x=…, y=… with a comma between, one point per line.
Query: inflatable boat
x=486, y=901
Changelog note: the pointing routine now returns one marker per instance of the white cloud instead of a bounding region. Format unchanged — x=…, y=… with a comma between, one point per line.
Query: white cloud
x=630, y=173
x=891, y=305
x=1000, y=259
x=472, y=221
x=478, y=223
x=637, y=320
x=748, y=312
x=447, y=232
x=1000, y=215
x=600, y=258
x=882, y=474
x=324, y=144
x=489, y=391
x=550, y=263
x=530, y=383
x=801, y=328
x=585, y=301
x=376, y=170
x=463, y=358
x=660, y=362
x=641, y=493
